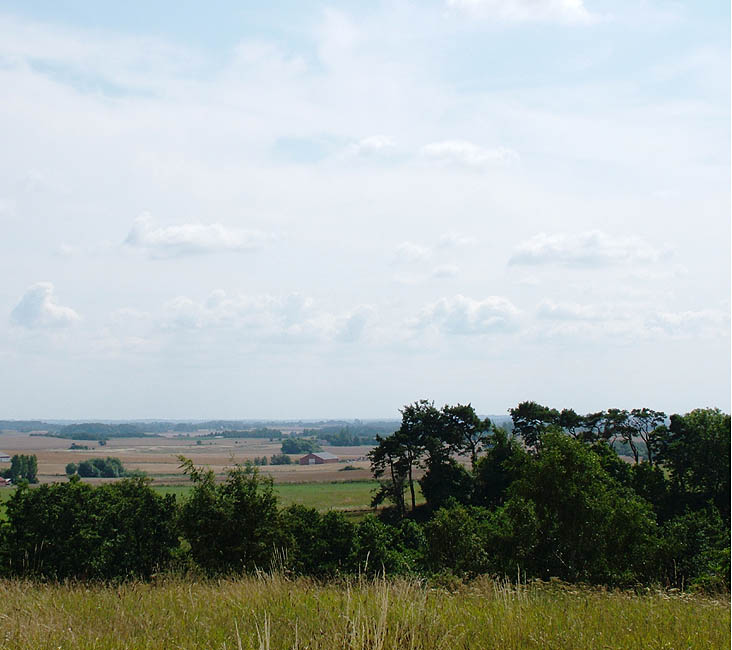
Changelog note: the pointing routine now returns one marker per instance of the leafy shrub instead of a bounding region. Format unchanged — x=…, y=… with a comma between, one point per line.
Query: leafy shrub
x=233, y=526
x=280, y=459
x=73, y=530
x=101, y=468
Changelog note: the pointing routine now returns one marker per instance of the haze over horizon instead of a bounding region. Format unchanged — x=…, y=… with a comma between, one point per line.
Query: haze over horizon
x=312, y=208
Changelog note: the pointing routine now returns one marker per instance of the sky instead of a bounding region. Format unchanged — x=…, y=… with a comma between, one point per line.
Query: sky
x=312, y=209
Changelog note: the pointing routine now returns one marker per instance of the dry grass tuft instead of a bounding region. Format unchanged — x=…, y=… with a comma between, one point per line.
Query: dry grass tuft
x=272, y=612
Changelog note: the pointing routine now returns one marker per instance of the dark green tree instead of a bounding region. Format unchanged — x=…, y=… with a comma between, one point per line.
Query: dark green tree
x=50, y=531
x=233, y=526
x=465, y=432
x=457, y=541
x=136, y=528
x=299, y=446
x=23, y=468
x=72, y=530
x=445, y=479
x=644, y=424
x=572, y=423
x=497, y=469
x=320, y=545
x=695, y=548
x=615, y=426
x=377, y=550
x=590, y=527
x=389, y=466
x=696, y=451
x=531, y=420
x=615, y=466
x=421, y=432
x=650, y=482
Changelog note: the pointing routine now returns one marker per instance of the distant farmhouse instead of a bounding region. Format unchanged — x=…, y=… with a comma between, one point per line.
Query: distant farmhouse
x=318, y=458
x=4, y=458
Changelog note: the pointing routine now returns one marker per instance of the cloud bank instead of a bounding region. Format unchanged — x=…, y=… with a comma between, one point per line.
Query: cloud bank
x=191, y=238
x=584, y=249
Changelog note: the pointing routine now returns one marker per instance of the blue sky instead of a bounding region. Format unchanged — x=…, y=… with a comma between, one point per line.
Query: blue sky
x=332, y=209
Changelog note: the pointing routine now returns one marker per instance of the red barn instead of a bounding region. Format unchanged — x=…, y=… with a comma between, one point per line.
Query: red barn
x=318, y=458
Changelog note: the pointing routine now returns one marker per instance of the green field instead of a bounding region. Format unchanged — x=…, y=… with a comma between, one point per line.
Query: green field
x=336, y=495
x=342, y=495
x=355, y=495
x=271, y=612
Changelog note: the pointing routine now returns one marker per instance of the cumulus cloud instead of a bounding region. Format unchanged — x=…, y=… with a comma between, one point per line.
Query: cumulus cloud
x=590, y=248
x=415, y=261
x=572, y=11
x=466, y=316
x=191, y=238
x=38, y=309
x=466, y=154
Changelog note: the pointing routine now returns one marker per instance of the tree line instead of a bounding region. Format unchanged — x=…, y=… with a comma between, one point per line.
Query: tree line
x=559, y=504
x=553, y=497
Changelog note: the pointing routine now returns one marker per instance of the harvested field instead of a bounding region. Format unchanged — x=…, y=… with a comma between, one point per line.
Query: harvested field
x=158, y=456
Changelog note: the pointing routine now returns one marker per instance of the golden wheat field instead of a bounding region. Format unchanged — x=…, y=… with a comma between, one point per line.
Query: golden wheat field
x=275, y=612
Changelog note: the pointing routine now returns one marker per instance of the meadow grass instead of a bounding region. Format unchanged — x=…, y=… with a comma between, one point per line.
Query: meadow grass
x=273, y=612
x=335, y=495
x=346, y=495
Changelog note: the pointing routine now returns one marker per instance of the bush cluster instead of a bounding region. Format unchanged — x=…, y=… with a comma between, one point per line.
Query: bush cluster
x=299, y=446
x=97, y=468
x=280, y=459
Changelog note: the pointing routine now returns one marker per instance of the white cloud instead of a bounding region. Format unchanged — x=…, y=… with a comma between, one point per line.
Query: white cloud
x=591, y=248
x=549, y=310
x=626, y=322
x=38, y=309
x=683, y=324
x=455, y=240
x=411, y=252
x=351, y=328
x=466, y=154
x=467, y=316
x=373, y=145
x=572, y=11
x=191, y=238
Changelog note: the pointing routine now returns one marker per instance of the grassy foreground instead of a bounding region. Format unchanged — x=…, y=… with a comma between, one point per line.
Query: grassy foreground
x=273, y=612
